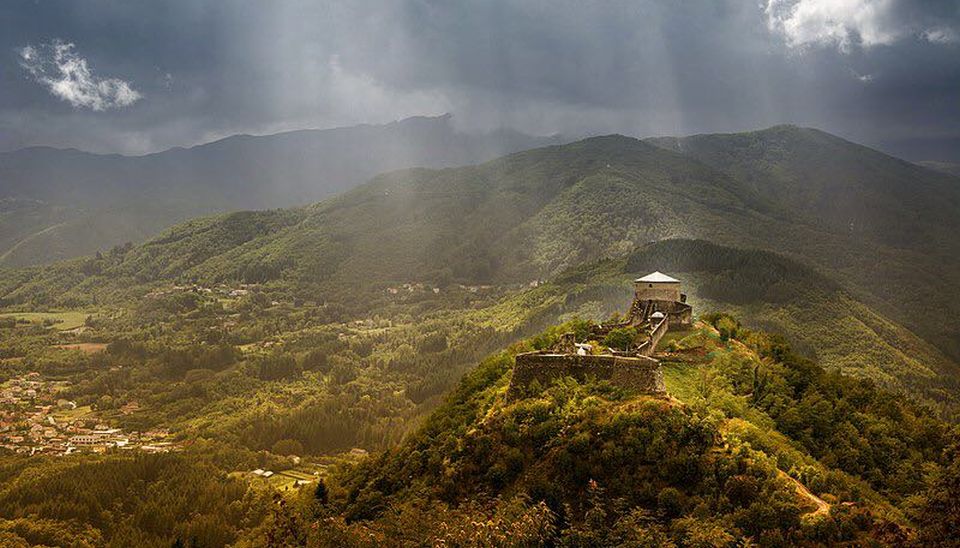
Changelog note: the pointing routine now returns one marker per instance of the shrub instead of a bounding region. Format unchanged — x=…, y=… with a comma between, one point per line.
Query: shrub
x=621, y=338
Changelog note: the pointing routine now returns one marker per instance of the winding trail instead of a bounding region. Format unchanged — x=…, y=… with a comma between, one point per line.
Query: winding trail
x=823, y=507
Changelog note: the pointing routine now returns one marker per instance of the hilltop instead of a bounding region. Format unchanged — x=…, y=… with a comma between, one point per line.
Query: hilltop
x=753, y=444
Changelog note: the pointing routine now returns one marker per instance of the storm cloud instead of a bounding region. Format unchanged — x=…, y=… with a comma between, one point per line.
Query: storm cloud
x=883, y=72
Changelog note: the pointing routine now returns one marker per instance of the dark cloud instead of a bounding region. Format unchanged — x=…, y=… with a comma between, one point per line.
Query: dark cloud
x=875, y=71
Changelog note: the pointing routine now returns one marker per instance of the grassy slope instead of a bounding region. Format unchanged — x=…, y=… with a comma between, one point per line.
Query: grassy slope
x=900, y=220
x=536, y=213
x=573, y=445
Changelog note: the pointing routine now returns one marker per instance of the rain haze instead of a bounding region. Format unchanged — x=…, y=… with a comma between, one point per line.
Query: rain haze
x=141, y=77
x=520, y=273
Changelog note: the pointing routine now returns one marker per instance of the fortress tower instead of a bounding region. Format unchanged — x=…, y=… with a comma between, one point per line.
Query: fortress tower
x=658, y=306
x=657, y=293
x=657, y=286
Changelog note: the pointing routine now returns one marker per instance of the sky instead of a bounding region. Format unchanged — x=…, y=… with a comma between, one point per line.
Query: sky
x=136, y=76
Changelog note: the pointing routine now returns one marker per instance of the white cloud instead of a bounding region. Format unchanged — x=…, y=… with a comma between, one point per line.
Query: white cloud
x=57, y=66
x=942, y=35
x=849, y=23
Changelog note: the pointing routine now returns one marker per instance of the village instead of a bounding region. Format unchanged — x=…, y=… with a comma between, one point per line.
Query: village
x=36, y=419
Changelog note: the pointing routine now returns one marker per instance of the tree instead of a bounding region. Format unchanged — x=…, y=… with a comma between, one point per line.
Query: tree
x=320, y=493
x=939, y=513
x=621, y=338
x=287, y=447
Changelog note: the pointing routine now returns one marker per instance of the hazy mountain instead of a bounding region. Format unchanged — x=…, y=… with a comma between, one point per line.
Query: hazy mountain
x=943, y=167
x=533, y=214
x=81, y=202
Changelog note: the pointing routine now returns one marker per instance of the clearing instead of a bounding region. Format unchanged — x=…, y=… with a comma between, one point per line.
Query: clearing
x=61, y=321
x=86, y=348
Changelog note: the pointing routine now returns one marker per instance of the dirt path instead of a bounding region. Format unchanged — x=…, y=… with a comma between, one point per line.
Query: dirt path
x=823, y=507
x=29, y=237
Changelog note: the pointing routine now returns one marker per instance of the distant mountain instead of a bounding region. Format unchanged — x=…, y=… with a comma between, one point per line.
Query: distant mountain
x=80, y=202
x=533, y=214
x=943, y=167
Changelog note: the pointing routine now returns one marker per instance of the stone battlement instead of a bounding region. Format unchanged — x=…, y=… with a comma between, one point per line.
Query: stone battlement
x=639, y=373
x=658, y=305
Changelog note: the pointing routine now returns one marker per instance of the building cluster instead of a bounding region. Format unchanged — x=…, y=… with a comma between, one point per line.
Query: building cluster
x=417, y=287
x=221, y=290
x=34, y=419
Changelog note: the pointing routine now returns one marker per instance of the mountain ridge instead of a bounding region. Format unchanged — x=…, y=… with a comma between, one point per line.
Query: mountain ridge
x=238, y=172
x=531, y=215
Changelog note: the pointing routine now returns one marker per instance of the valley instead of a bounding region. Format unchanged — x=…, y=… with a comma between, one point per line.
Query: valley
x=295, y=341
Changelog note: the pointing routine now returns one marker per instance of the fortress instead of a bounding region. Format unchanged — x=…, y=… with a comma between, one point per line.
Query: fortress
x=658, y=305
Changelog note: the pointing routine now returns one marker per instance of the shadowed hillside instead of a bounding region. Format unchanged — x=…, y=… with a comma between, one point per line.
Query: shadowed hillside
x=80, y=203
x=898, y=220
x=530, y=215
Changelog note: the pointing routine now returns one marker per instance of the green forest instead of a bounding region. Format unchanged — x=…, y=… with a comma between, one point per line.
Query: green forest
x=335, y=374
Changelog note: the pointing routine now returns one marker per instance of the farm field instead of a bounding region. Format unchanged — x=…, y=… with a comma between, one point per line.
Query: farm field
x=68, y=415
x=86, y=348
x=62, y=321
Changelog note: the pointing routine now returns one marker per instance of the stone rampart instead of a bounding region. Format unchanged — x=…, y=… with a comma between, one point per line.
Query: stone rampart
x=656, y=334
x=639, y=373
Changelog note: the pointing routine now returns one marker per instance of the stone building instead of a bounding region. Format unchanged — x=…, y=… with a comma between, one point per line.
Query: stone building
x=657, y=286
x=658, y=293
x=658, y=305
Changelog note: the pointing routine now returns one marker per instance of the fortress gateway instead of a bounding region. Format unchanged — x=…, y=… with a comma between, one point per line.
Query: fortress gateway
x=658, y=305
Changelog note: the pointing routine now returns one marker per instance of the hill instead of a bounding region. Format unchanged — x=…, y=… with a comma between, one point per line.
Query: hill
x=530, y=215
x=944, y=167
x=81, y=203
x=736, y=455
x=524, y=216
x=897, y=218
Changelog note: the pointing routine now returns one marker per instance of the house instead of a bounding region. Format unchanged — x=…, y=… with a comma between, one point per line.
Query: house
x=130, y=408
x=85, y=439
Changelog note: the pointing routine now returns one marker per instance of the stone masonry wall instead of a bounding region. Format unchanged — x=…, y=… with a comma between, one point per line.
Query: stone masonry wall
x=642, y=374
x=655, y=335
x=657, y=291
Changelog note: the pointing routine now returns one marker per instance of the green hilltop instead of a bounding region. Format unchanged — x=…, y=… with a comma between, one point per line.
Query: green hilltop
x=754, y=445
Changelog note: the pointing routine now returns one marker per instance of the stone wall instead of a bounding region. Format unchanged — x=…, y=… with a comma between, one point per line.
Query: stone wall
x=656, y=334
x=641, y=373
x=657, y=291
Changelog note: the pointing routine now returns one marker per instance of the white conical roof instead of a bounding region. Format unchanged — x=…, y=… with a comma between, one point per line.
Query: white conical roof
x=657, y=277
